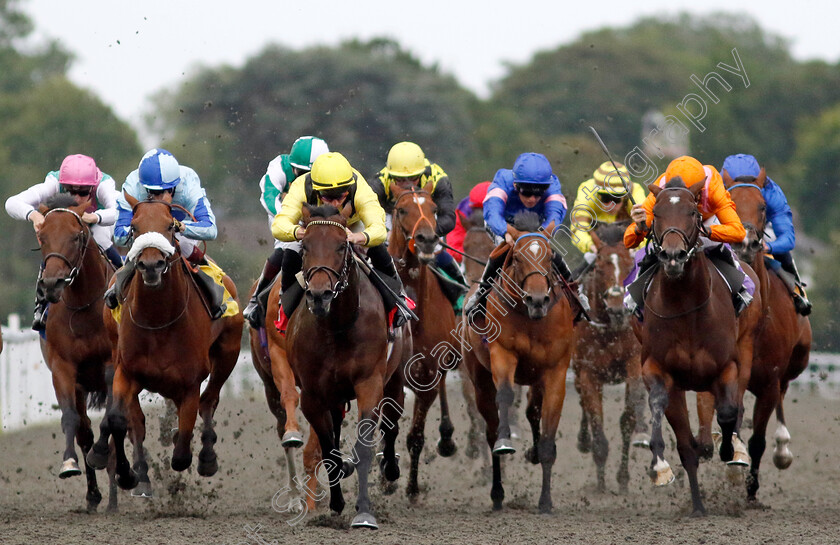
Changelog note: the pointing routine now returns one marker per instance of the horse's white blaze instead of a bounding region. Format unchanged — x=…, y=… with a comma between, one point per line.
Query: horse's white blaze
x=150, y=240
x=419, y=200
x=614, y=260
x=675, y=200
x=534, y=248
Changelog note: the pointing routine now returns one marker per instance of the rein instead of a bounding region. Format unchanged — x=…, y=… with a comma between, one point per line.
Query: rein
x=342, y=277
x=74, y=269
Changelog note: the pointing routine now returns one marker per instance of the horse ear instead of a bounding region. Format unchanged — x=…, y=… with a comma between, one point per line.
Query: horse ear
x=131, y=200
x=596, y=240
x=82, y=206
x=514, y=232
x=347, y=210
x=396, y=190
x=761, y=178
x=43, y=209
x=727, y=179
x=306, y=212
x=697, y=188
x=548, y=230
x=655, y=189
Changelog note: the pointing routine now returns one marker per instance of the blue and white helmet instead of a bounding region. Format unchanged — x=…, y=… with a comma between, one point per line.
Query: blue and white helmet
x=159, y=170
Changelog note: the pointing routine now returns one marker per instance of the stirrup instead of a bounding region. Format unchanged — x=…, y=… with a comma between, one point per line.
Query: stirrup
x=39, y=319
x=803, y=306
x=252, y=313
x=742, y=301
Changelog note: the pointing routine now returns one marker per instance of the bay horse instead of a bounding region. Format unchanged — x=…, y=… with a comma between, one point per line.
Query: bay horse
x=526, y=338
x=167, y=344
x=412, y=244
x=691, y=339
x=607, y=352
x=337, y=345
x=783, y=344
x=77, y=349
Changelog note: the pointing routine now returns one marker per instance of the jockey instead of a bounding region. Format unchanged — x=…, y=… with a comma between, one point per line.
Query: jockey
x=474, y=201
x=719, y=217
x=78, y=176
x=531, y=185
x=332, y=181
x=744, y=168
x=274, y=185
x=408, y=168
x=159, y=173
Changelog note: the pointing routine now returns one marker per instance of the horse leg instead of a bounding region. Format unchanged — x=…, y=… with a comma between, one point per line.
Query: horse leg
x=311, y=459
x=657, y=383
x=187, y=414
x=284, y=381
x=677, y=414
x=705, y=415
x=764, y=405
x=474, y=449
x=138, y=436
x=445, y=447
x=368, y=395
x=591, y=401
x=532, y=414
x=514, y=411
x=64, y=383
x=391, y=410
x=584, y=439
x=485, y=394
x=321, y=423
x=415, y=440
x=627, y=424
x=782, y=457
x=111, y=470
x=84, y=437
x=554, y=392
x=125, y=389
x=503, y=366
x=635, y=395
x=727, y=406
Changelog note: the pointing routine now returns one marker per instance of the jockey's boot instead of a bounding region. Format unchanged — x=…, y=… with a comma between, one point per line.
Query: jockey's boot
x=114, y=256
x=476, y=305
x=291, y=290
x=578, y=300
x=123, y=277
x=453, y=292
x=796, y=291
x=39, y=318
x=254, y=312
x=587, y=265
x=741, y=300
x=214, y=292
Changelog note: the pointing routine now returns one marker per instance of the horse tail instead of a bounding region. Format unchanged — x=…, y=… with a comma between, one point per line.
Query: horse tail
x=96, y=400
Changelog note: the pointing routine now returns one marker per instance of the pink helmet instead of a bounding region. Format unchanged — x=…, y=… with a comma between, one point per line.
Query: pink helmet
x=79, y=170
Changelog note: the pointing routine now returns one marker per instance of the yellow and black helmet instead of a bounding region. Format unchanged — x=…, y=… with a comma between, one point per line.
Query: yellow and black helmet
x=331, y=171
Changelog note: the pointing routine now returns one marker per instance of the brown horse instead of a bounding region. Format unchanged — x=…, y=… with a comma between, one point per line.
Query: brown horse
x=77, y=349
x=607, y=352
x=338, y=350
x=167, y=344
x=783, y=344
x=689, y=335
x=527, y=337
x=412, y=245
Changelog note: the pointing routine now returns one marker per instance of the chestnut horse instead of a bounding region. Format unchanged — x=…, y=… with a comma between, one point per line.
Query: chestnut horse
x=607, y=352
x=527, y=337
x=337, y=345
x=690, y=335
x=77, y=349
x=412, y=245
x=783, y=344
x=167, y=344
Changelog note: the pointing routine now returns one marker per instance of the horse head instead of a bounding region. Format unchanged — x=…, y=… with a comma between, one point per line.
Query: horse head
x=64, y=237
x=414, y=220
x=677, y=224
x=477, y=243
x=153, y=231
x=749, y=201
x=529, y=264
x=612, y=264
x=326, y=255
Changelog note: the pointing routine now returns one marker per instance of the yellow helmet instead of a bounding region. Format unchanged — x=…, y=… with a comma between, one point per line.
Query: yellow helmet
x=405, y=160
x=330, y=171
x=609, y=180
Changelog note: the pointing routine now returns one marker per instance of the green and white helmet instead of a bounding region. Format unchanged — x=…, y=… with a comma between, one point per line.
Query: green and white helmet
x=305, y=150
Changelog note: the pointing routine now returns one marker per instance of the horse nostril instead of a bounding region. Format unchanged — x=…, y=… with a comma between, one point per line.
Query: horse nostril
x=160, y=264
x=682, y=255
x=545, y=301
x=141, y=266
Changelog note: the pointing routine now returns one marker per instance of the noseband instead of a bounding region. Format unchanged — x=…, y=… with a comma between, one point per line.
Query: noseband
x=536, y=270
x=341, y=277
x=691, y=248
x=74, y=268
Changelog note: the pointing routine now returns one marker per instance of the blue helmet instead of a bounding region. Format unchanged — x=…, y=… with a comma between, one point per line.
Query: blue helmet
x=532, y=168
x=159, y=170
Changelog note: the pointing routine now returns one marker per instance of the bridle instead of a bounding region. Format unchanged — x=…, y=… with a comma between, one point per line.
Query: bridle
x=342, y=277
x=547, y=275
x=759, y=234
x=74, y=268
x=690, y=247
x=174, y=228
x=409, y=237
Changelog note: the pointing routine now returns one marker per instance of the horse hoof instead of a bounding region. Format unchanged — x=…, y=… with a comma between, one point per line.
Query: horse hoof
x=143, y=490
x=94, y=498
x=717, y=438
x=96, y=459
x=503, y=446
x=180, y=464
x=292, y=439
x=70, y=468
x=128, y=480
x=698, y=513
x=207, y=466
x=782, y=459
x=640, y=440
x=661, y=474
x=364, y=520
x=391, y=472
x=446, y=448
x=347, y=469
x=735, y=473
x=546, y=507
x=532, y=456
x=740, y=457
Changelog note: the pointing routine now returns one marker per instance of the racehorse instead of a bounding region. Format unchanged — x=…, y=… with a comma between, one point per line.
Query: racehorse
x=527, y=337
x=168, y=345
x=690, y=335
x=77, y=349
x=607, y=352
x=783, y=343
x=338, y=348
x=412, y=245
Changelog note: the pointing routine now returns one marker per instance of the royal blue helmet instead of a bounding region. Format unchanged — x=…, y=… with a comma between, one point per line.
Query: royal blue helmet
x=532, y=168
x=159, y=170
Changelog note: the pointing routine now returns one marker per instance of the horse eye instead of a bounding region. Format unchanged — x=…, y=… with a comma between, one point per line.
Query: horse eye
x=401, y=212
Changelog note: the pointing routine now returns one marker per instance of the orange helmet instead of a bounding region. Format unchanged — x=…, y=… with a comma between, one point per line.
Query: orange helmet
x=688, y=168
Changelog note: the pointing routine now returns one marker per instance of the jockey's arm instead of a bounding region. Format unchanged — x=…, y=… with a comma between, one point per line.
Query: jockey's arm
x=730, y=229
x=122, y=228
x=371, y=213
x=494, y=210
x=21, y=205
x=195, y=200
x=286, y=221
x=106, y=194
x=632, y=236
x=555, y=205
x=445, y=206
x=780, y=217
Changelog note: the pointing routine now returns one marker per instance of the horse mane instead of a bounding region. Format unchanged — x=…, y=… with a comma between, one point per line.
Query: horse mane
x=60, y=200
x=323, y=211
x=476, y=218
x=611, y=233
x=745, y=179
x=527, y=220
x=676, y=181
